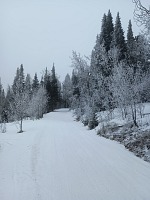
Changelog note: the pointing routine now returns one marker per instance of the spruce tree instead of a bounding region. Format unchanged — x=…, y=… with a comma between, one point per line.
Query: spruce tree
x=119, y=39
x=19, y=82
x=131, y=48
x=35, y=84
x=52, y=86
x=54, y=89
x=2, y=104
x=28, y=85
x=67, y=91
x=103, y=33
x=109, y=29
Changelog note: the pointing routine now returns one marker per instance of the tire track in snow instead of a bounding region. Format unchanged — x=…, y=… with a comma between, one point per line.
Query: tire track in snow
x=35, y=153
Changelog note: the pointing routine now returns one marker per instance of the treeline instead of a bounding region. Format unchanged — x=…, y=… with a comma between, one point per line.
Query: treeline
x=115, y=76
x=30, y=98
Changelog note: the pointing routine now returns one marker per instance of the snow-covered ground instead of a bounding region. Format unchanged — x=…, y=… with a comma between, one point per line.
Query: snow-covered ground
x=57, y=158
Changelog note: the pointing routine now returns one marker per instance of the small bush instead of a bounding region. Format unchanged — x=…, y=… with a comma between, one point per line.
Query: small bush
x=93, y=122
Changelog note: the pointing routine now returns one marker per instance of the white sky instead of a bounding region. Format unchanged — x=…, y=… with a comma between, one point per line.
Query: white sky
x=37, y=33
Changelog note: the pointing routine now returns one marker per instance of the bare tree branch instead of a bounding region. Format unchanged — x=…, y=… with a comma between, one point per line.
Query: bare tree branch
x=142, y=16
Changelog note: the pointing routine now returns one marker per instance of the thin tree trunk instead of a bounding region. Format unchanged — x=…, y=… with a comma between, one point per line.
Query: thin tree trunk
x=21, y=126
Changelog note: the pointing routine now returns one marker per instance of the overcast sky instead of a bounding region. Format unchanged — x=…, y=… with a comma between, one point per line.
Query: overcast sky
x=37, y=33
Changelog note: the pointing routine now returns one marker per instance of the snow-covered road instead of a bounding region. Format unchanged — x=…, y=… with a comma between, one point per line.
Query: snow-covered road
x=57, y=158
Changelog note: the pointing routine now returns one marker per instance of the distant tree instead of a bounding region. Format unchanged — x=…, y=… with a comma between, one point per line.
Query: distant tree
x=75, y=89
x=67, y=90
x=37, y=105
x=3, y=113
x=35, y=84
x=53, y=88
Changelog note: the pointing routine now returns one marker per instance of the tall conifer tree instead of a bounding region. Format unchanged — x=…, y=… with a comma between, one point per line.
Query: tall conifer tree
x=119, y=39
x=109, y=29
x=131, y=47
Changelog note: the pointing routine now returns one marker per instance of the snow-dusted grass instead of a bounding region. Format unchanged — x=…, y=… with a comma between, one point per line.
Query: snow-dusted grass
x=115, y=117
x=136, y=139
x=57, y=158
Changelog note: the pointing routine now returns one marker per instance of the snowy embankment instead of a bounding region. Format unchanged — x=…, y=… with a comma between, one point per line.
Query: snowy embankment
x=135, y=139
x=57, y=158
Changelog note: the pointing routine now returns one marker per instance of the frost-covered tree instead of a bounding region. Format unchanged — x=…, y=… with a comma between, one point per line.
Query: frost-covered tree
x=2, y=99
x=143, y=52
x=20, y=97
x=19, y=107
x=127, y=86
x=28, y=85
x=37, y=105
x=19, y=81
x=82, y=101
x=115, y=75
x=3, y=112
x=99, y=57
x=67, y=90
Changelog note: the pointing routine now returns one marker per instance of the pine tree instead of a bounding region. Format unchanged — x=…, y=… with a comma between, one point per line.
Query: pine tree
x=28, y=85
x=35, y=84
x=103, y=34
x=107, y=29
x=19, y=82
x=110, y=30
x=47, y=85
x=67, y=90
x=2, y=104
x=54, y=89
x=119, y=39
x=100, y=61
x=131, y=47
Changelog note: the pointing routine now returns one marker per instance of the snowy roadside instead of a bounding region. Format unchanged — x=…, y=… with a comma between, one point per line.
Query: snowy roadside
x=135, y=139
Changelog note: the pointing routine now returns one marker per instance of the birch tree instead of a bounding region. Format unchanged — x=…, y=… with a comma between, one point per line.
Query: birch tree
x=127, y=86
